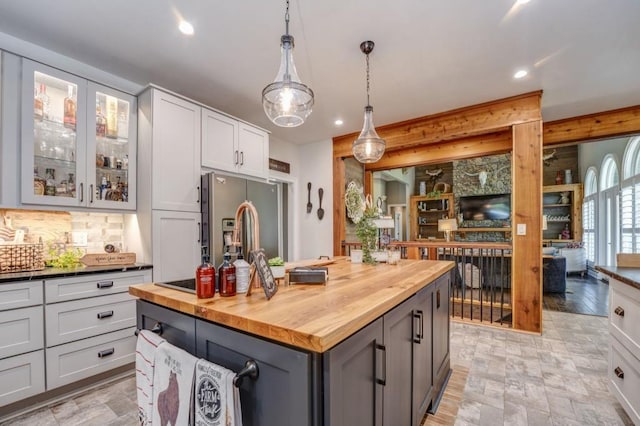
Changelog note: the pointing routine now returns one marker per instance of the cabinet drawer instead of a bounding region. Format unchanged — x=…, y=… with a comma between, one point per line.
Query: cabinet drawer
x=627, y=388
x=80, y=319
x=63, y=289
x=20, y=294
x=21, y=377
x=624, y=314
x=85, y=358
x=21, y=330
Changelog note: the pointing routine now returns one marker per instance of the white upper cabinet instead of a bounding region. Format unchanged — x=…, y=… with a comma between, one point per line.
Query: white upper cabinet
x=78, y=141
x=231, y=145
x=175, y=154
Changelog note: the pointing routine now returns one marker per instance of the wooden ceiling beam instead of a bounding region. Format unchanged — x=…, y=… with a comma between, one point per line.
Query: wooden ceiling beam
x=586, y=128
x=488, y=117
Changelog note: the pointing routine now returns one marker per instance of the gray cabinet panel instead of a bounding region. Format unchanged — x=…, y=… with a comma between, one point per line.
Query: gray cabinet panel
x=422, y=357
x=22, y=376
x=282, y=394
x=398, y=342
x=20, y=294
x=176, y=328
x=21, y=331
x=441, y=363
x=352, y=395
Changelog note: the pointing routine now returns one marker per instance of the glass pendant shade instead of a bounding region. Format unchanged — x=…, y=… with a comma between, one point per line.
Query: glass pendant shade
x=369, y=147
x=287, y=102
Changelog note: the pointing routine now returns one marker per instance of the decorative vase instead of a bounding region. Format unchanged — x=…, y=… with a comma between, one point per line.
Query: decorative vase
x=567, y=176
x=559, y=178
x=423, y=188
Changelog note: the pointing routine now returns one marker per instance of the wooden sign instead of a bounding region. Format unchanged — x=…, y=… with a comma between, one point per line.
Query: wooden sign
x=99, y=259
x=279, y=166
x=264, y=273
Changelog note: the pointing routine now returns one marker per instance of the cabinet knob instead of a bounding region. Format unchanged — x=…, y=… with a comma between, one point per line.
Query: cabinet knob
x=619, y=311
x=619, y=372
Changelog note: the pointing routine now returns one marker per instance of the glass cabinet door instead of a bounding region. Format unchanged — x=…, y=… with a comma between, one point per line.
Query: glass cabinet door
x=53, y=136
x=111, y=148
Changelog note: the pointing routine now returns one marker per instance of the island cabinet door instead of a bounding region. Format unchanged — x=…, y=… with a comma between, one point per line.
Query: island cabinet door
x=176, y=328
x=398, y=343
x=282, y=393
x=422, y=354
x=441, y=363
x=353, y=379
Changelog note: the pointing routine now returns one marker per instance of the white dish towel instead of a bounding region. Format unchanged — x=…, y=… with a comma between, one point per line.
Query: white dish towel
x=216, y=399
x=173, y=386
x=146, y=347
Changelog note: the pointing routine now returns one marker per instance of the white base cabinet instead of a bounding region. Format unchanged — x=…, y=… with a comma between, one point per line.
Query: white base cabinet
x=21, y=376
x=624, y=349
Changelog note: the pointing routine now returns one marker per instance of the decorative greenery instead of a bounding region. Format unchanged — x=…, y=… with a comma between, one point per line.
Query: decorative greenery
x=69, y=258
x=362, y=212
x=276, y=261
x=434, y=194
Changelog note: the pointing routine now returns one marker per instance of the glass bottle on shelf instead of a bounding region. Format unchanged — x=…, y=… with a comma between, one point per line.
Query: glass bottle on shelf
x=70, y=109
x=50, y=179
x=112, y=117
x=37, y=104
x=71, y=185
x=123, y=120
x=38, y=183
x=44, y=98
x=101, y=122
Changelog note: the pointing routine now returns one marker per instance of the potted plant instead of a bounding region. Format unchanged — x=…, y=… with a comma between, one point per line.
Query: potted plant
x=361, y=211
x=277, y=267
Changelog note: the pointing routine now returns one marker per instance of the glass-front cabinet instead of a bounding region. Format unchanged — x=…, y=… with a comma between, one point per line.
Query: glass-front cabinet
x=78, y=141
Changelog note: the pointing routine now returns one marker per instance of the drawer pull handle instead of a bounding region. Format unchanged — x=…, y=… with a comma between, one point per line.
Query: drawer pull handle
x=619, y=311
x=106, y=352
x=619, y=372
x=383, y=381
x=104, y=284
x=107, y=314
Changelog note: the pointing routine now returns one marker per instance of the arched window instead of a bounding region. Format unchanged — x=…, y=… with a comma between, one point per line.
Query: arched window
x=630, y=198
x=609, y=210
x=589, y=209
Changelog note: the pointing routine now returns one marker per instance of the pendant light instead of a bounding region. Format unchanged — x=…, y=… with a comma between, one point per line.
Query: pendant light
x=287, y=102
x=369, y=147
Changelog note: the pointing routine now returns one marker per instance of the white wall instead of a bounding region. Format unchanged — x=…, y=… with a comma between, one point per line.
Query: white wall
x=314, y=236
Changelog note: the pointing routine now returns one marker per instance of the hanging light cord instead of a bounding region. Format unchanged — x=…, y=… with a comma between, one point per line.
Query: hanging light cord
x=368, y=80
x=286, y=19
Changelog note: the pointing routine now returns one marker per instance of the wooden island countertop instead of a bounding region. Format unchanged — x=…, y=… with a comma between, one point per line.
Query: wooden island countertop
x=311, y=317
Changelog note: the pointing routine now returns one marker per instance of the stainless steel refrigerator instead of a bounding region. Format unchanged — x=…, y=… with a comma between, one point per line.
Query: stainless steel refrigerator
x=221, y=196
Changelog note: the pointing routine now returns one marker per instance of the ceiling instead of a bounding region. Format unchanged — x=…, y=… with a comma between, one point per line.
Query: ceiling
x=430, y=56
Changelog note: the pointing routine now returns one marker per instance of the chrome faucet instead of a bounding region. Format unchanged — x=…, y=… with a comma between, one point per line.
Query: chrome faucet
x=255, y=231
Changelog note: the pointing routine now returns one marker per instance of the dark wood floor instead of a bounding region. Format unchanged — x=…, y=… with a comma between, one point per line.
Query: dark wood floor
x=583, y=296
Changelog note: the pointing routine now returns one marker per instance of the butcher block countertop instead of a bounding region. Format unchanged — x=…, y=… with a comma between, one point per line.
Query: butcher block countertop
x=311, y=317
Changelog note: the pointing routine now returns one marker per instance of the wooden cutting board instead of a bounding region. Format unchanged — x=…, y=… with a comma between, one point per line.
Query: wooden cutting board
x=99, y=259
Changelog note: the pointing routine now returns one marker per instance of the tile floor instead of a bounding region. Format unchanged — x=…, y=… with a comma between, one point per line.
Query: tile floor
x=558, y=378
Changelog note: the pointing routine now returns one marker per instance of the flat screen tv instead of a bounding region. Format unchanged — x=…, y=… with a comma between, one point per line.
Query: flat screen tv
x=486, y=207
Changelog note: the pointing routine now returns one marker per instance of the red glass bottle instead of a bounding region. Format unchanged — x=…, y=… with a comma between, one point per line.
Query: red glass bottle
x=205, y=279
x=227, y=274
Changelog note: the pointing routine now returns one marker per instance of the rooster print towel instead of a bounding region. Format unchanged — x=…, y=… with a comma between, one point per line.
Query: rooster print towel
x=173, y=386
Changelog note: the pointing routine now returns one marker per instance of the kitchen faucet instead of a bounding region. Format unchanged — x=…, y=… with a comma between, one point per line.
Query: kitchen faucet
x=255, y=232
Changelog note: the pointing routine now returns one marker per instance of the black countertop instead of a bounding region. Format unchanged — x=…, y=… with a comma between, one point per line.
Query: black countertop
x=69, y=272
x=629, y=276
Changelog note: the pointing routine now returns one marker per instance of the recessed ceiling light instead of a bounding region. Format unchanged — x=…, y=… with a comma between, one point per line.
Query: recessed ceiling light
x=185, y=28
x=338, y=122
x=520, y=74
